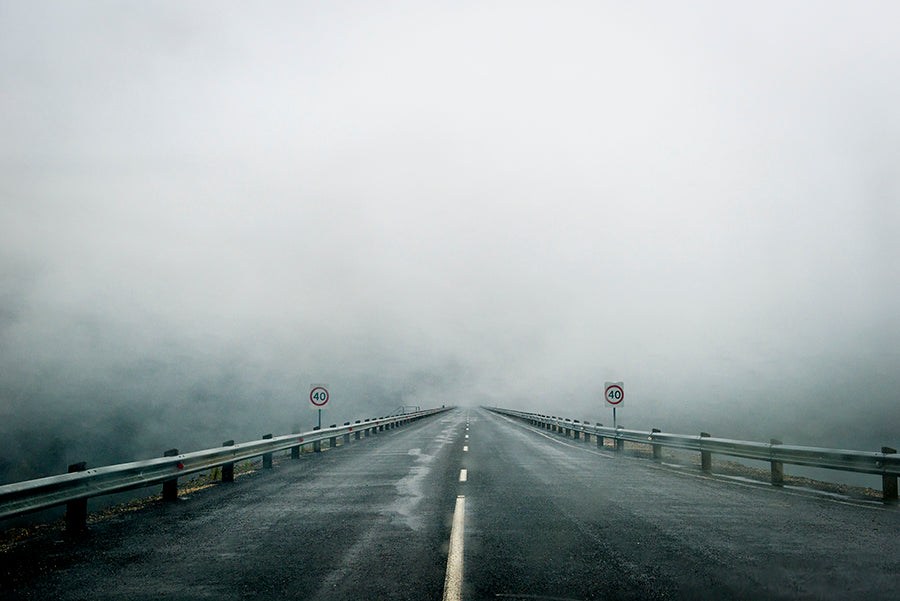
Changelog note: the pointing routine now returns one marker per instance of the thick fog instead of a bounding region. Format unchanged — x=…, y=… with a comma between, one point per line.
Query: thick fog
x=205, y=207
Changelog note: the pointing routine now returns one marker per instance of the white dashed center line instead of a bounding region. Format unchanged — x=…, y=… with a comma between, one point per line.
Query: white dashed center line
x=453, y=580
x=463, y=475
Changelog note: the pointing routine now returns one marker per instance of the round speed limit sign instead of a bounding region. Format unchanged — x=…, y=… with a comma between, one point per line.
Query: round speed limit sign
x=615, y=393
x=318, y=396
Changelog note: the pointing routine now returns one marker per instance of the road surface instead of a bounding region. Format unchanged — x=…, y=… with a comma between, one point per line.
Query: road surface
x=473, y=505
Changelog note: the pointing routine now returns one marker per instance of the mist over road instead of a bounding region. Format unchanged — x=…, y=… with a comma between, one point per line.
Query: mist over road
x=204, y=209
x=542, y=517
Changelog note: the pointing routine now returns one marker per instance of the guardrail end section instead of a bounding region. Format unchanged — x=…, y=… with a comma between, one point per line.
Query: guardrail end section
x=889, y=481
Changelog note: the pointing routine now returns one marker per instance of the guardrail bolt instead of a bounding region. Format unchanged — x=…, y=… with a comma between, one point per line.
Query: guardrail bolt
x=657, y=449
x=267, y=457
x=170, y=487
x=76, y=511
x=777, y=466
x=705, y=456
x=889, y=481
x=228, y=468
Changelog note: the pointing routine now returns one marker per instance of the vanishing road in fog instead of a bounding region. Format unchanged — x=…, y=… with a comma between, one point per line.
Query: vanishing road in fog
x=521, y=514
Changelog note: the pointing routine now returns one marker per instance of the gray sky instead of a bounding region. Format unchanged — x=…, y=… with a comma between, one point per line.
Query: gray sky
x=460, y=202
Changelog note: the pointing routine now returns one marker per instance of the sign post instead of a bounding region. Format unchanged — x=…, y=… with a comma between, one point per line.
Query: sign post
x=318, y=396
x=614, y=392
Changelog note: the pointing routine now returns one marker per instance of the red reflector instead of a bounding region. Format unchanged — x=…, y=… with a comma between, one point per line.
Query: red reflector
x=351, y=429
x=301, y=439
x=180, y=465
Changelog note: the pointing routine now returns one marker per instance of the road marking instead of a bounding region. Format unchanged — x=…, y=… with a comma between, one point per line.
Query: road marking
x=465, y=448
x=467, y=435
x=463, y=475
x=453, y=579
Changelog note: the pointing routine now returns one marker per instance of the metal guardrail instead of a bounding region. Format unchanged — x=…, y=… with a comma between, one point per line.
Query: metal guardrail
x=885, y=463
x=75, y=488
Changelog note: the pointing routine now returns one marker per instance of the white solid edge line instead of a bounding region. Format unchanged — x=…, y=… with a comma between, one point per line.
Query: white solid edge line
x=453, y=580
x=463, y=475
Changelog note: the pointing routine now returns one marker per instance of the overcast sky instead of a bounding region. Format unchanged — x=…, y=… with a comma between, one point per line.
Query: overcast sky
x=460, y=202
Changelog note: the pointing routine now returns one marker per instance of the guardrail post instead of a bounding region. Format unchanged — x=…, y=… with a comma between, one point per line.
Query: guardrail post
x=295, y=451
x=599, y=436
x=332, y=442
x=358, y=433
x=170, y=487
x=657, y=449
x=76, y=511
x=705, y=456
x=777, y=466
x=228, y=468
x=267, y=457
x=889, y=481
x=620, y=444
x=347, y=435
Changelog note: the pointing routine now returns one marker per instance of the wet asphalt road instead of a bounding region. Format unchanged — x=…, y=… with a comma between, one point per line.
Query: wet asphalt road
x=543, y=518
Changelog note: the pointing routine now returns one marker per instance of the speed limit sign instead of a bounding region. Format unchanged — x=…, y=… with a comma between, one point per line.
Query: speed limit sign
x=615, y=393
x=318, y=396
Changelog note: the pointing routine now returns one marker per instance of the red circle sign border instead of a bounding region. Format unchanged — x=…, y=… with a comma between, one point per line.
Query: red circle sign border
x=313, y=391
